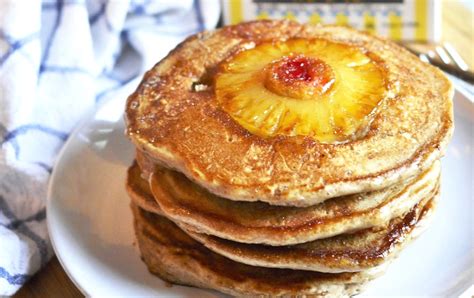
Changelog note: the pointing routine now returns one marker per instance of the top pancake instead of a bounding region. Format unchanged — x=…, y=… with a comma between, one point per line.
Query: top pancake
x=184, y=128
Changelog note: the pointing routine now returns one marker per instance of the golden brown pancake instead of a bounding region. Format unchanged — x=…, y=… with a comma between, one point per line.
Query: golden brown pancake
x=145, y=163
x=284, y=159
x=139, y=191
x=256, y=222
x=177, y=119
x=343, y=253
x=177, y=258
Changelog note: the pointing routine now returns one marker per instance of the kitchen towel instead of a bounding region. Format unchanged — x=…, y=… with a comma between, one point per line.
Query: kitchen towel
x=59, y=59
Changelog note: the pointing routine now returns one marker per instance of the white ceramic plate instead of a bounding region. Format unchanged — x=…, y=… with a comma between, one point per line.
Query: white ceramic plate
x=90, y=222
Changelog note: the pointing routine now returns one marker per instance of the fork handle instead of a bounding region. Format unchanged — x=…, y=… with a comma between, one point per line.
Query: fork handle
x=465, y=75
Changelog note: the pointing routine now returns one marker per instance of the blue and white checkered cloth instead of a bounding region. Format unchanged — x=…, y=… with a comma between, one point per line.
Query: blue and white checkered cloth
x=58, y=59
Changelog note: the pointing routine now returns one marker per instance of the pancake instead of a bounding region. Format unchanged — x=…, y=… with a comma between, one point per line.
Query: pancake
x=146, y=165
x=139, y=191
x=255, y=222
x=343, y=253
x=177, y=258
x=178, y=118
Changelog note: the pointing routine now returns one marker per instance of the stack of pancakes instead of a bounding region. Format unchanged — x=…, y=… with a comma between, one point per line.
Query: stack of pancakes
x=219, y=206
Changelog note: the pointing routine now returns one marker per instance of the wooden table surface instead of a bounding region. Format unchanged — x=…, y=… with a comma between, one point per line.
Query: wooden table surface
x=457, y=29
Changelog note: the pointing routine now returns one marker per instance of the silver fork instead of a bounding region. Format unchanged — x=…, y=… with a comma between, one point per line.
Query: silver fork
x=447, y=58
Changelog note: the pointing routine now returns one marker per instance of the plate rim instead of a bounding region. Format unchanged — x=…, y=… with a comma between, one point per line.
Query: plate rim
x=51, y=184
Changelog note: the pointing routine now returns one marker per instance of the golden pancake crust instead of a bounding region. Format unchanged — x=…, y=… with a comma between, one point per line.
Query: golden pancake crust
x=175, y=118
x=174, y=256
x=343, y=253
x=350, y=252
x=139, y=191
x=256, y=222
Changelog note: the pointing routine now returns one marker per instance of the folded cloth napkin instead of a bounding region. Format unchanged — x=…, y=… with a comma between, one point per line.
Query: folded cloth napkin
x=59, y=59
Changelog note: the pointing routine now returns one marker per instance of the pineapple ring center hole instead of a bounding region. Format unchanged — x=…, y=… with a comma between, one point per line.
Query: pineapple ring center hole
x=299, y=77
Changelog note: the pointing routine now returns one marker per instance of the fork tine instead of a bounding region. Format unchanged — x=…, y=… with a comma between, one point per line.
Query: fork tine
x=424, y=58
x=432, y=57
x=443, y=55
x=455, y=56
x=431, y=54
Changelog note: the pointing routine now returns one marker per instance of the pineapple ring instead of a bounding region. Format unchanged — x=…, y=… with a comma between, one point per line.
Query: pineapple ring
x=334, y=103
